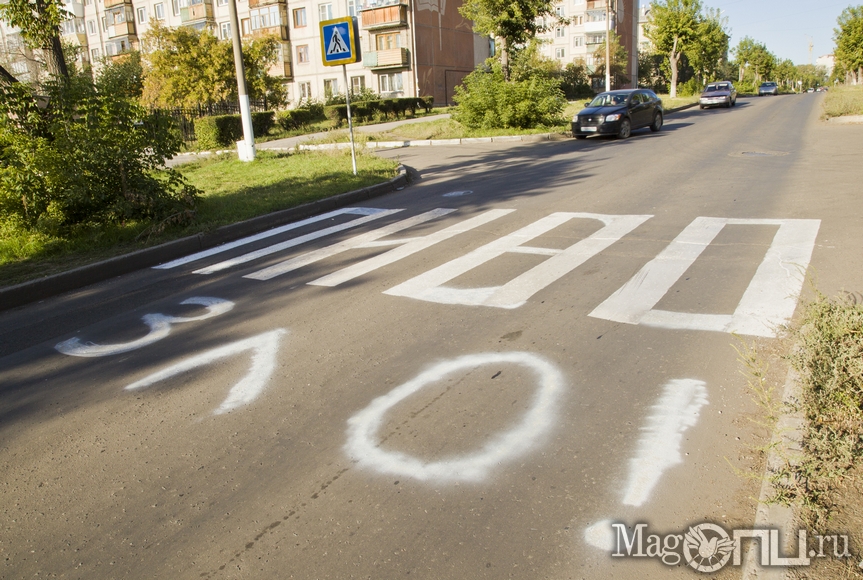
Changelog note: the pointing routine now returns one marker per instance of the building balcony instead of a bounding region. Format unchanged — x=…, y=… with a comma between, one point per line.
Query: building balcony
x=259, y=3
x=595, y=26
x=112, y=3
x=390, y=58
x=385, y=17
x=280, y=32
x=121, y=29
x=74, y=8
x=196, y=12
x=282, y=69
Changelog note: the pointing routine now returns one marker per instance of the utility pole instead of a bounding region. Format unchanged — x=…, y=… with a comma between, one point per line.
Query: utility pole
x=246, y=147
x=607, y=45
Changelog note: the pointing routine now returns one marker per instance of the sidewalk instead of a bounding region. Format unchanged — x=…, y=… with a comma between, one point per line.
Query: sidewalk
x=293, y=142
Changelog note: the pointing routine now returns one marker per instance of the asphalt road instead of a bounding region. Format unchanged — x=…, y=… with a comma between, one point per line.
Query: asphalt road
x=464, y=394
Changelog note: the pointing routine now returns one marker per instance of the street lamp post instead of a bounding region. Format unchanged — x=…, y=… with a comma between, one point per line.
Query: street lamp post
x=246, y=147
x=607, y=45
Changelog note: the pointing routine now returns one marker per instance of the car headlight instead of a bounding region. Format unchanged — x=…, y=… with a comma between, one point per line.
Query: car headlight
x=612, y=118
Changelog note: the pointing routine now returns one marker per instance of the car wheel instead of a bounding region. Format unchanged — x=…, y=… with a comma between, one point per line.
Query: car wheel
x=581, y=136
x=657, y=122
x=734, y=103
x=625, y=129
x=701, y=107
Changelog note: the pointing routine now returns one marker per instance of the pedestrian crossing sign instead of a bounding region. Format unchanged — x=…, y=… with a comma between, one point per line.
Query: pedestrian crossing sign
x=339, y=41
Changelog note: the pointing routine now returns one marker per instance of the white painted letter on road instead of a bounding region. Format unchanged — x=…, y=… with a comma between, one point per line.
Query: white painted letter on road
x=429, y=286
x=264, y=349
x=767, y=303
x=363, y=427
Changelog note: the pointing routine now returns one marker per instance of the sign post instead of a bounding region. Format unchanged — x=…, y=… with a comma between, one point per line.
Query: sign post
x=340, y=46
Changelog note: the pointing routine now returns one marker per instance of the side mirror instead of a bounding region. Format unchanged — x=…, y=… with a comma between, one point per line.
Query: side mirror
x=586, y=103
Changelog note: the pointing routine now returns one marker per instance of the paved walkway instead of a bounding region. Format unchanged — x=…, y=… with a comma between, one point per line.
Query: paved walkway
x=289, y=142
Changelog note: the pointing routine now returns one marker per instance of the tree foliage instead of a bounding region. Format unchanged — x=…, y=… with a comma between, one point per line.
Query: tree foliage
x=73, y=155
x=515, y=22
x=187, y=67
x=39, y=24
x=849, y=43
x=619, y=61
x=123, y=76
x=753, y=60
x=673, y=28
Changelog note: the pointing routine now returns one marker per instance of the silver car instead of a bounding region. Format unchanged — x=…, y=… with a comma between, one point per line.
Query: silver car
x=721, y=94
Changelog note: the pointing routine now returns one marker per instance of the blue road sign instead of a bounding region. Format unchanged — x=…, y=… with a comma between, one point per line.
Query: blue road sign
x=339, y=41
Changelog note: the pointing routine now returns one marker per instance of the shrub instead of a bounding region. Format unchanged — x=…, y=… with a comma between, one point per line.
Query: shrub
x=691, y=87
x=488, y=101
x=86, y=157
x=218, y=131
x=262, y=123
x=336, y=114
x=427, y=103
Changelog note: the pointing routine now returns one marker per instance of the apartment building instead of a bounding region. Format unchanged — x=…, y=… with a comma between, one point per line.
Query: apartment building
x=585, y=33
x=408, y=47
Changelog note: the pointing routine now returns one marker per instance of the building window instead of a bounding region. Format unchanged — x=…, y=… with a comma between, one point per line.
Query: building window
x=142, y=15
x=331, y=87
x=390, y=83
x=221, y=2
x=388, y=41
x=104, y=24
x=577, y=20
x=358, y=84
x=19, y=67
x=559, y=32
x=325, y=11
x=265, y=17
x=246, y=25
x=225, y=30
x=91, y=27
x=175, y=7
x=559, y=10
x=303, y=53
x=578, y=2
x=299, y=17
x=352, y=7
x=559, y=53
x=88, y=2
x=577, y=41
x=159, y=9
x=305, y=91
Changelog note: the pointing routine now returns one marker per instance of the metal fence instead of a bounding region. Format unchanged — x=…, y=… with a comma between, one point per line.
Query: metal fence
x=184, y=117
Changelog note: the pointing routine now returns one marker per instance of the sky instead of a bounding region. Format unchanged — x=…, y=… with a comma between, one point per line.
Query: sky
x=784, y=26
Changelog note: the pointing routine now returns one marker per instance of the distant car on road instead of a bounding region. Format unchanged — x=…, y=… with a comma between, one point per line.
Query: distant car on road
x=721, y=94
x=768, y=88
x=619, y=113
x=810, y=90
x=822, y=89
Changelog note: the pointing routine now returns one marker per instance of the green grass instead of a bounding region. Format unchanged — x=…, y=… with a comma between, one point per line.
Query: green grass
x=841, y=101
x=232, y=191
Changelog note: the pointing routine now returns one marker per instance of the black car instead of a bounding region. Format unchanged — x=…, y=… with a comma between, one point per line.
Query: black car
x=619, y=113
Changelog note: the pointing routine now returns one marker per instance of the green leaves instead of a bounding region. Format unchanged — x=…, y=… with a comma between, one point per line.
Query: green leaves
x=849, y=39
x=515, y=21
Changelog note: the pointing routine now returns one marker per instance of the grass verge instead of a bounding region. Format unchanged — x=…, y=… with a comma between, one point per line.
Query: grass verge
x=233, y=191
x=842, y=101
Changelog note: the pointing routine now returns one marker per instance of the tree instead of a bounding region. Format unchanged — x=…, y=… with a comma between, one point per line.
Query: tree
x=849, y=44
x=754, y=62
x=515, y=22
x=39, y=23
x=123, y=76
x=187, y=67
x=709, y=50
x=619, y=61
x=673, y=28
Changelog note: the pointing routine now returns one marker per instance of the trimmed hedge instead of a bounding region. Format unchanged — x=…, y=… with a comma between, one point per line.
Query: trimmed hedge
x=225, y=130
x=298, y=118
x=378, y=110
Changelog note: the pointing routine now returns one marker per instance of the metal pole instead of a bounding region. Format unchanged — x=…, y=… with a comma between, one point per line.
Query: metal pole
x=246, y=147
x=607, y=45
x=350, y=122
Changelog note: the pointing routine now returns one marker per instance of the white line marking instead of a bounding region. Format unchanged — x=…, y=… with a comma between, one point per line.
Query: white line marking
x=159, y=324
x=350, y=244
x=429, y=285
x=365, y=211
x=264, y=347
x=659, y=446
x=767, y=303
x=294, y=242
x=457, y=193
x=363, y=427
x=600, y=535
x=410, y=246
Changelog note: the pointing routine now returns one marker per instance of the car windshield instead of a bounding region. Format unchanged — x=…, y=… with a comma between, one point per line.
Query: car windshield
x=768, y=84
x=608, y=99
x=717, y=87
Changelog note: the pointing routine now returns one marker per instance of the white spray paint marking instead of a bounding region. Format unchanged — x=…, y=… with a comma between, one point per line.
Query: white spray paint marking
x=429, y=285
x=365, y=211
x=362, y=241
x=264, y=349
x=159, y=324
x=600, y=535
x=659, y=446
x=408, y=247
x=767, y=303
x=363, y=427
x=457, y=193
x=294, y=242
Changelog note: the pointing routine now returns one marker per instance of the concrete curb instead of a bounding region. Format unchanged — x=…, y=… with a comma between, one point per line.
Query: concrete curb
x=27, y=292
x=532, y=138
x=846, y=120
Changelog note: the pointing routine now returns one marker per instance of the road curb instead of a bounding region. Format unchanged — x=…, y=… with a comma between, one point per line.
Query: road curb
x=39, y=289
